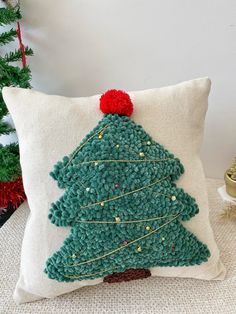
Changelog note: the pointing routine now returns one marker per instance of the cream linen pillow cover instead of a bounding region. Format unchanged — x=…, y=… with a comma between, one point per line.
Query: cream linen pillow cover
x=50, y=127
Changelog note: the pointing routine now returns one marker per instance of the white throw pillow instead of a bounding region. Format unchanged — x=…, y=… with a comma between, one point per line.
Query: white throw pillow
x=50, y=127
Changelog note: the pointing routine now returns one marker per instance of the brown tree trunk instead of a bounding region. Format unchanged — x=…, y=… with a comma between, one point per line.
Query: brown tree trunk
x=127, y=275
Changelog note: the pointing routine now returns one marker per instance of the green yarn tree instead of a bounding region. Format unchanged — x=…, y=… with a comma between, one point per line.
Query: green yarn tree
x=122, y=204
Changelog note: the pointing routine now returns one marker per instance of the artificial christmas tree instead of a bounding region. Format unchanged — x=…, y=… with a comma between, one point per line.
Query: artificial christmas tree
x=12, y=191
x=122, y=204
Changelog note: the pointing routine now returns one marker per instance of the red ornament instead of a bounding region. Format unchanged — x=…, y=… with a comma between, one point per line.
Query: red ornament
x=12, y=192
x=125, y=242
x=116, y=185
x=116, y=101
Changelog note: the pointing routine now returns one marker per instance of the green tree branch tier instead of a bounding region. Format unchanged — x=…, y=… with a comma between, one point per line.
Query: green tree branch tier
x=122, y=205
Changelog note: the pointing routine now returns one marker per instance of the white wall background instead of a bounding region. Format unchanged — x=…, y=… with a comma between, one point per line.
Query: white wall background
x=84, y=47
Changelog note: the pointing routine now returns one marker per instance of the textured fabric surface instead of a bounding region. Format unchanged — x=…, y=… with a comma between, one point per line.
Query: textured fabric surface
x=153, y=295
x=173, y=116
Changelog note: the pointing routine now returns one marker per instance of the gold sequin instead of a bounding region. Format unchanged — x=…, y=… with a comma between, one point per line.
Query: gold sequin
x=117, y=219
x=139, y=249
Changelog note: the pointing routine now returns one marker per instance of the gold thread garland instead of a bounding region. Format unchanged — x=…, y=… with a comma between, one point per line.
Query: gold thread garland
x=113, y=269
x=123, y=246
x=123, y=222
x=122, y=161
x=125, y=194
x=81, y=146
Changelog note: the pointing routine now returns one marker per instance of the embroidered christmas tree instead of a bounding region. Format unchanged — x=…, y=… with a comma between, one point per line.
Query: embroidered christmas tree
x=122, y=204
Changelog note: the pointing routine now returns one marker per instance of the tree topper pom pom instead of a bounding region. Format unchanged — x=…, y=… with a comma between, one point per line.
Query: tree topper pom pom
x=116, y=101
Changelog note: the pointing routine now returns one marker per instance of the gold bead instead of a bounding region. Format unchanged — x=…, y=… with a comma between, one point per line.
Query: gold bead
x=148, y=228
x=117, y=146
x=149, y=143
x=141, y=154
x=139, y=249
x=163, y=239
x=100, y=136
x=102, y=203
x=173, y=198
x=73, y=256
x=118, y=220
x=96, y=163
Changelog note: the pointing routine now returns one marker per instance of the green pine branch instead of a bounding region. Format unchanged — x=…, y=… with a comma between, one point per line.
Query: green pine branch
x=5, y=128
x=14, y=75
x=7, y=37
x=9, y=162
x=16, y=55
x=9, y=15
x=3, y=107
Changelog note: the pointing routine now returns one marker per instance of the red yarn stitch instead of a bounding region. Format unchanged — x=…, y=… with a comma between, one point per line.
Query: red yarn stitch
x=116, y=101
x=13, y=192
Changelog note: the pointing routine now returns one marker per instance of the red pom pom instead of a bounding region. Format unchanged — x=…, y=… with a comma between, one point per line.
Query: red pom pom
x=116, y=101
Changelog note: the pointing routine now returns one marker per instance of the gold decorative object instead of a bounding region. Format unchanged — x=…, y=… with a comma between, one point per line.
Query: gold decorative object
x=230, y=179
x=229, y=212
